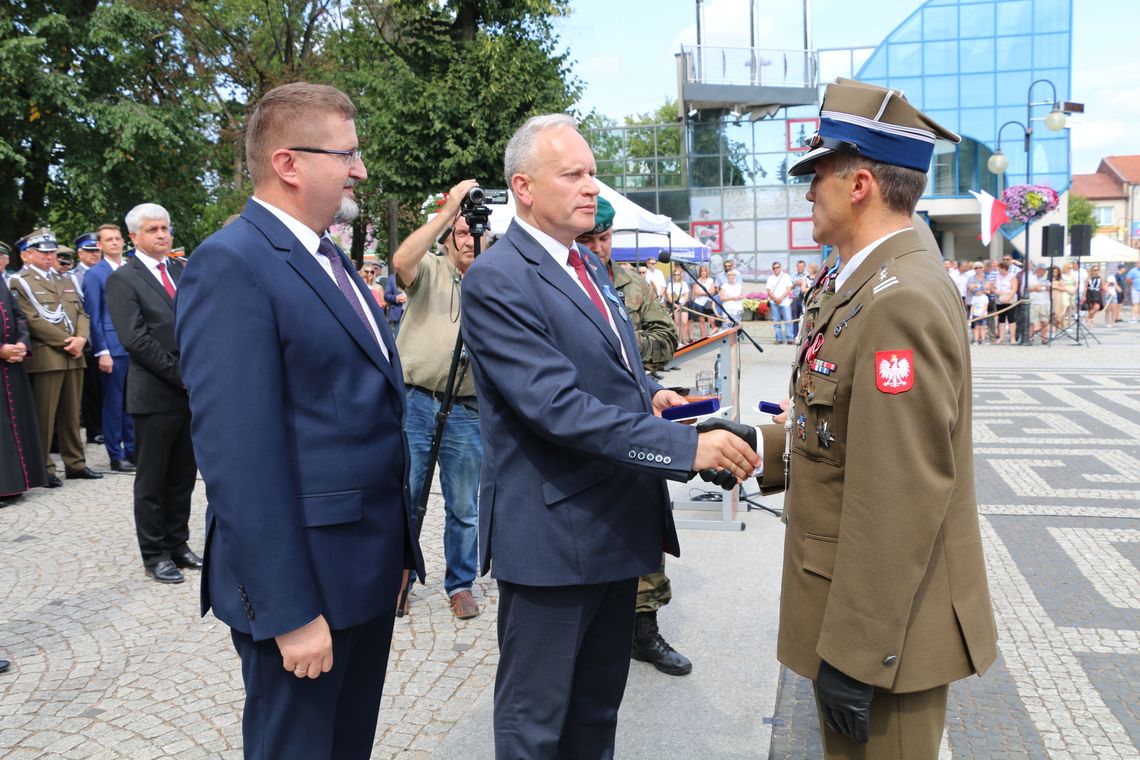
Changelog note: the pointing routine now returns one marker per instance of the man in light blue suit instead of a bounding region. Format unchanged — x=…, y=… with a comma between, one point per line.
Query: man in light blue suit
x=113, y=360
x=298, y=408
x=573, y=505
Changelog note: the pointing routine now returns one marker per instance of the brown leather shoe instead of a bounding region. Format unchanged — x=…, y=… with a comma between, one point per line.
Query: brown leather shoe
x=463, y=605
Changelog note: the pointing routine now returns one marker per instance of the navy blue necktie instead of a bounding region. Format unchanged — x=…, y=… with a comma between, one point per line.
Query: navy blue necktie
x=329, y=251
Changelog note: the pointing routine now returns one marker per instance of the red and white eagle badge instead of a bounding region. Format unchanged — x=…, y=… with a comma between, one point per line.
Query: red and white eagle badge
x=894, y=371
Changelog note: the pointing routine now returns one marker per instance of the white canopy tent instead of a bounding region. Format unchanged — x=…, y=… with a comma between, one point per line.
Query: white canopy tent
x=1105, y=250
x=638, y=233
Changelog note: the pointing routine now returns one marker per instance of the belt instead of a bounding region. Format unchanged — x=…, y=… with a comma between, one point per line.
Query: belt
x=438, y=395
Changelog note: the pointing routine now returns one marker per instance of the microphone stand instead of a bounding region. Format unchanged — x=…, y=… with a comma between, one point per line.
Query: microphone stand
x=667, y=257
x=477, y=217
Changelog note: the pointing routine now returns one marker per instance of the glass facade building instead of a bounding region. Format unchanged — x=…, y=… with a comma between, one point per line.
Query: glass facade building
x=972, y=65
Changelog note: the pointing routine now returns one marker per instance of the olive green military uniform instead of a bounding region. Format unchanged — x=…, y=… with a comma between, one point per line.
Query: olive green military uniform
x=656, y=334
x=883, y=570
x=57, y=376
x=657, y=342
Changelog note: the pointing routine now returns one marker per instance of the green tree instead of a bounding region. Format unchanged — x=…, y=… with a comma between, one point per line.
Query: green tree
x=97, y=113
x=441, y=88
x=1080, y=211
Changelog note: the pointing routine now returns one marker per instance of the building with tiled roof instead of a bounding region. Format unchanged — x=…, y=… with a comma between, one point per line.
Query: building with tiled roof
x=1114, y=190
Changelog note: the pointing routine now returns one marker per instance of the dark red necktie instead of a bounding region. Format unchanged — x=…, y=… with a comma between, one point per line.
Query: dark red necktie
x=167, y=284
x=575, y=260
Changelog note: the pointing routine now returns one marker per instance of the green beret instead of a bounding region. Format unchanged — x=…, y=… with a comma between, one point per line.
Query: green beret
x=604, y=218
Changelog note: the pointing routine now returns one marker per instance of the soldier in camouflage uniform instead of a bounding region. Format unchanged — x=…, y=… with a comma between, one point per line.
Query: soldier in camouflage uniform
x=656, y=341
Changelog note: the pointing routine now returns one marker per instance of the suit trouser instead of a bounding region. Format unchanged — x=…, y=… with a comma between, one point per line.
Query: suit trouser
x=57, y=393
x=332, y=717
x=91, y=405
x=118, y=427
x=903, y=727
x=164, y=481
x=563, y=665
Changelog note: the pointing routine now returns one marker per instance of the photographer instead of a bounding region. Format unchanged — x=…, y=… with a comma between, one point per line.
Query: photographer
x=428, y=331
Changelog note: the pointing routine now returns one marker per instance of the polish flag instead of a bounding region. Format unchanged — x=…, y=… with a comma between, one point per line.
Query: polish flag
x=993, y=215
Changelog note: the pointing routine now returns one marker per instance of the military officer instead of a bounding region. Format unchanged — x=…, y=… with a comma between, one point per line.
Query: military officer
x=656, y=335
x=884, y=598
x=58, y=328
x=657, y=341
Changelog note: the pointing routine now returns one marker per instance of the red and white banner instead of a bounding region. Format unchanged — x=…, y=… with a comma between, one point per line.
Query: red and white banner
x=993, y=215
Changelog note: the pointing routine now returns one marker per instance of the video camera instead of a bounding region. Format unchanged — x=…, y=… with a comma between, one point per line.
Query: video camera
x=474, y=210
x=477, y=196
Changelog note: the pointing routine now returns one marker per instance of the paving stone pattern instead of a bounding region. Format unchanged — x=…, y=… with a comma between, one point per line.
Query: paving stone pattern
x=1057, y=455
x=107, y=663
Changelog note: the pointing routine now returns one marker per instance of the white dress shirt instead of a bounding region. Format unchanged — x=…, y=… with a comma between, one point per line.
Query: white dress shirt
x=850, y=266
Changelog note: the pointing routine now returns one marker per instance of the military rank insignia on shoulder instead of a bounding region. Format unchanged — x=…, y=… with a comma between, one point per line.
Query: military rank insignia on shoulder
x=894, y=371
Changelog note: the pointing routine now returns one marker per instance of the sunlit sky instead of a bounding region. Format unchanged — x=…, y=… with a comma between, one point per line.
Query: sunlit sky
x=623, y=51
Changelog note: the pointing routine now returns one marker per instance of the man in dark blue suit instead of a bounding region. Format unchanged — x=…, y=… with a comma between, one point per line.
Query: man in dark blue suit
x=573, y=506
x=298, y=406
x=112, y=358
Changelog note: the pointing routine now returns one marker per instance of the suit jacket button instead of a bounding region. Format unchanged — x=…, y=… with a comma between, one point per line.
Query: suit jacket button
x=668, y=460
x=659, y=458
x=889, y=660
x=632, y=454
x=641, y=455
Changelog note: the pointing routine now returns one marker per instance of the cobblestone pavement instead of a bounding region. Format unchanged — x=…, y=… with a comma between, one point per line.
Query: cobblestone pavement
x=109, y=664
x=1057, y=453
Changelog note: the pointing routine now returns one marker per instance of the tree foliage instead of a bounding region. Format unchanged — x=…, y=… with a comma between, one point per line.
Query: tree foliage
x=1080, y=211
x=107, y=104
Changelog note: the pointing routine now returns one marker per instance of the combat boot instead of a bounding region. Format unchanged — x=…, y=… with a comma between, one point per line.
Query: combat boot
x=648, y=646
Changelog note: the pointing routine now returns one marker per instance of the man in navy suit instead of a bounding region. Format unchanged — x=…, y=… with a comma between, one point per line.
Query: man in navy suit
x=112, y=358
x=573, y=506
x=298, y=406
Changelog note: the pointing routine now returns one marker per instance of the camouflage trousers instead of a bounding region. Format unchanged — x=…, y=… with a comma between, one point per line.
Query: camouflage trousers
x=653, y=590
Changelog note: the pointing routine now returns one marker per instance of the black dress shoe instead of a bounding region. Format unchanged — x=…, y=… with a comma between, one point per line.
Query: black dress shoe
x=95, y=438
x=85, y=474
x=53, y=482
x=4, y=665
x=164, y=571
x=121, y=465
x=188, y=560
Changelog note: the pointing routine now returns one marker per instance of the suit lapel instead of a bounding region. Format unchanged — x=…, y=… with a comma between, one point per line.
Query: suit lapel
x=307, y=267
x=143, y=271
x=557, y=277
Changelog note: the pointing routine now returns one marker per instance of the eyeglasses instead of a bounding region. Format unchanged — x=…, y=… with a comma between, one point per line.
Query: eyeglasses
x=350, y=156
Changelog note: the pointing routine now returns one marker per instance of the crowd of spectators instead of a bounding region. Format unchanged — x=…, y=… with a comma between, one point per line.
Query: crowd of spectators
x=1056, y=295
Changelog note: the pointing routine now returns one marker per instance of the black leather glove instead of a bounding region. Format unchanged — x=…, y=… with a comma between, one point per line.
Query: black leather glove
x=844, y=703
x=747, y=433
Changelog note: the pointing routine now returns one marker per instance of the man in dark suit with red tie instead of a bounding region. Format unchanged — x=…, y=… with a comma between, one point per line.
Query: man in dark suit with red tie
x=572, y=504
x=299, y=408
x=140, y=298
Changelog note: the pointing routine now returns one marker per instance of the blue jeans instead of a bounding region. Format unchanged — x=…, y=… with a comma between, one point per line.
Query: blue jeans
x=460, y=457
x=782, y=313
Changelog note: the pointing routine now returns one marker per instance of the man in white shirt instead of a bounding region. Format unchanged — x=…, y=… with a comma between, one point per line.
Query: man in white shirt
x=655, y=277
x=779, y=288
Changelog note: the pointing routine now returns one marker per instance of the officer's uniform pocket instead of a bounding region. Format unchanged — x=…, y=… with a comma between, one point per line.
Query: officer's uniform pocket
x=813, y=431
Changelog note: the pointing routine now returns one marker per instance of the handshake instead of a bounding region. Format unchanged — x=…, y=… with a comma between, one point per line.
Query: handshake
x=726, y=452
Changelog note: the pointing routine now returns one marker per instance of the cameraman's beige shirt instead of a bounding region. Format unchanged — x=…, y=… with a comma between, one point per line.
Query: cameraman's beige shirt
x=430, y=326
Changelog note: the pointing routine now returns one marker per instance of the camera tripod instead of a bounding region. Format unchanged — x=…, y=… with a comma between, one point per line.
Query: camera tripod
x=477, y=216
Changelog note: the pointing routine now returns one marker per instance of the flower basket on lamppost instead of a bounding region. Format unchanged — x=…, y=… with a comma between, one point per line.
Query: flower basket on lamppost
x=1028, y=203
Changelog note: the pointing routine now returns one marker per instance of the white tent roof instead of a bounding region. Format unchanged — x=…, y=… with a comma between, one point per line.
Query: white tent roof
x=1104, y=250
x=637, y=232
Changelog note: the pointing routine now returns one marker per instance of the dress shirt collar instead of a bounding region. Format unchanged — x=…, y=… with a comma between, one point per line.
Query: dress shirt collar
x=150, y=262
x=46, y=275
x=309, y=239
x=560, y=253
x=853, y=263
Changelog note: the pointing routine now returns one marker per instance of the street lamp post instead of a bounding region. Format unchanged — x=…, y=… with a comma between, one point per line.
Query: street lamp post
x=998, y=163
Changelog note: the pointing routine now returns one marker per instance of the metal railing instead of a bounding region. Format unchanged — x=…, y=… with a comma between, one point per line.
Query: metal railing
x=707, y=64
